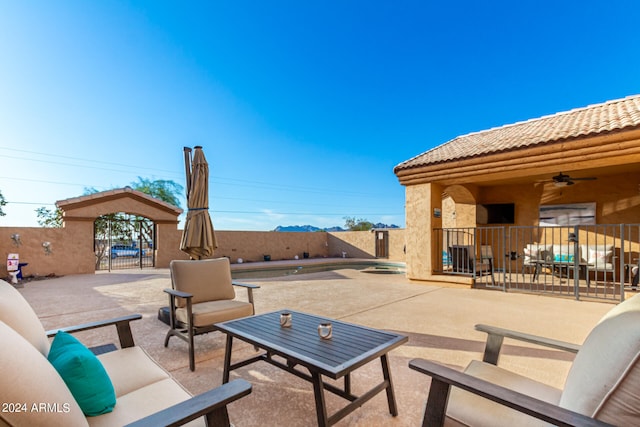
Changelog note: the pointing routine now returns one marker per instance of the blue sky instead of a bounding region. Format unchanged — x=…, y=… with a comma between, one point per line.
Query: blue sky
x=303, y=108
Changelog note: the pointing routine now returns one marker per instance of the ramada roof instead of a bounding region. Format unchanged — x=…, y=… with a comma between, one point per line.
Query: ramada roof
x=598, y=119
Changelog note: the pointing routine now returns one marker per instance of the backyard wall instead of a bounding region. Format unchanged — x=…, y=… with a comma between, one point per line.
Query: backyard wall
x=362, y=244
x=71, y=249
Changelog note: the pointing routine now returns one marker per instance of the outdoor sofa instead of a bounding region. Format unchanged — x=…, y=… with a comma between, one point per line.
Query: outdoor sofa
x=34, y=393
x=597, y=259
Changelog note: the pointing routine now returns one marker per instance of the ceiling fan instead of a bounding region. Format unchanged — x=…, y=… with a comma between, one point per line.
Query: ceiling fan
x=562, y=180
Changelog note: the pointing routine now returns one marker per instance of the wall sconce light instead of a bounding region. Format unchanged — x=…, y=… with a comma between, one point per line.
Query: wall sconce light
x=573, y=238
x=47, y=247
x=16, y=239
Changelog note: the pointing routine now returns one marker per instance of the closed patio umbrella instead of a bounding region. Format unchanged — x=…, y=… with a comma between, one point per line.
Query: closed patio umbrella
x=198, y=237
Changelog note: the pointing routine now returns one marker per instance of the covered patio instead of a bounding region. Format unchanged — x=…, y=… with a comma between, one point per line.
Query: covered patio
x=515, y=174
x=438, y=318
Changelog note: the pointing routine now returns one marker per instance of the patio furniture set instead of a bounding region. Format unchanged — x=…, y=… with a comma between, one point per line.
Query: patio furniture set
x=601, y=387
x=560, y=260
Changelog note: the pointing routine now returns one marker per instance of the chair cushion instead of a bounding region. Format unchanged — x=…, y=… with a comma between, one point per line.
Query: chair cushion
x=27, y=378
x=206, y=280
x=599, y=257
x=16, y=312
x=143, y=402
x=130, y=369
x=83, y=373
x=604, y=379
x=468, y=409
x=209, y=313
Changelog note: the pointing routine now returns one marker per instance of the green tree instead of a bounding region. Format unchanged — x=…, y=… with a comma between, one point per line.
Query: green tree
x=49, y=218
x=353, y=224
x=165, y=190
x=3, y=202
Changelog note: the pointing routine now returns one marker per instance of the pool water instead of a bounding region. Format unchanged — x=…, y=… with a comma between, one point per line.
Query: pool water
x=263, y=272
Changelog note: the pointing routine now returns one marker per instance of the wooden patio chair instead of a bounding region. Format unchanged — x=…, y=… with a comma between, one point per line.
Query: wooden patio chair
x=203, y=294
x=602, y=387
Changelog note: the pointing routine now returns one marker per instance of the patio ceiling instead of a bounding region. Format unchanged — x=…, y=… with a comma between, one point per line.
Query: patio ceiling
x=597, y=140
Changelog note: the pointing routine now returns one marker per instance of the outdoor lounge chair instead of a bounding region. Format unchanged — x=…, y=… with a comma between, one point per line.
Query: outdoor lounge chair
x=202, y=296
x=463, y=260
x=602, y=387
x=35, y=393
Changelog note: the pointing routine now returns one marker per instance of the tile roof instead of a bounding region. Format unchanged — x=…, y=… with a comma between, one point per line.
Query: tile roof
x=595, y=119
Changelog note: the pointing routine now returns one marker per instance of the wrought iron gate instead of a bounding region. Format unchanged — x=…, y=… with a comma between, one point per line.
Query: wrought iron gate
x=124, y=241
x=590, y=261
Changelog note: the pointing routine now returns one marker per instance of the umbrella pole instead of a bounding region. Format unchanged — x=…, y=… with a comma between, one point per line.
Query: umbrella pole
x=187, y=167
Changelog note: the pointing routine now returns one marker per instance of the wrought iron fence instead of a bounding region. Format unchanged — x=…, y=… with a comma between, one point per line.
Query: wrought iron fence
x=585, y=261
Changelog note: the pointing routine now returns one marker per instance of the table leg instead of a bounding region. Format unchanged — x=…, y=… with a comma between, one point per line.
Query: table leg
x=391, y=398
x=536, y=272
x=227, y=360
x=318, y=391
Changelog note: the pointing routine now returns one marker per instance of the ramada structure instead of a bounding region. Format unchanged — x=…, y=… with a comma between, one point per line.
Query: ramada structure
x=515, y=164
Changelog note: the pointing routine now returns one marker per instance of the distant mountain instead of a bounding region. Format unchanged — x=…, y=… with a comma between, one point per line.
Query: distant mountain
x=311, y=228
x=297, y=228
x=381, y=225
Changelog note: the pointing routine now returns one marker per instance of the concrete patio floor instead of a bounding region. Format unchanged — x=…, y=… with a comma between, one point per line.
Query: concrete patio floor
x=438, y=320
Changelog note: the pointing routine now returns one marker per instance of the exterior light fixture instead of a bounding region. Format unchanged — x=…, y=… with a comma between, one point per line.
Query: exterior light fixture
x=16, y=239
x=47, y=247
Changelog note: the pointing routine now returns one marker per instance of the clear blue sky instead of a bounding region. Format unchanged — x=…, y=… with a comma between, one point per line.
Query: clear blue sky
x=303, y=108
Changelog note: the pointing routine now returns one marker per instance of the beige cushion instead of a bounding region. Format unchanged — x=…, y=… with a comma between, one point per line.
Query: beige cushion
x=604, y=379
x=130, y=369
x=27, y=377
x=467, y=409
x=142, y=402
x=208, y=313
x=599, y=257
x=16, y=312
x=206, y=280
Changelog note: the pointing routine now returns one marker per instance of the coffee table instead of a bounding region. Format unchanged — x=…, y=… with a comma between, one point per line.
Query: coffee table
x=351, y=347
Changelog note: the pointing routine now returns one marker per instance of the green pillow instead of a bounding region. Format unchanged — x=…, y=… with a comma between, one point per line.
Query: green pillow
x=83, y=373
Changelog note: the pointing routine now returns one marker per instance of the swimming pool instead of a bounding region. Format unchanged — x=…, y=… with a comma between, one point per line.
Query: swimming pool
x=263, y=271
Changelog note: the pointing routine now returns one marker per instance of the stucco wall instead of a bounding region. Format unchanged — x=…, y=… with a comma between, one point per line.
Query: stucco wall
x=72, y=246
x=419, y=212
x=252, y=246
x=617, y=201
x=362, y=244
x=66, y=251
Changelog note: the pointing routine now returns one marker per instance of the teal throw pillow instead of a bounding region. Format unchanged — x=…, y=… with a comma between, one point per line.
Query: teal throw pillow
x=83, y=373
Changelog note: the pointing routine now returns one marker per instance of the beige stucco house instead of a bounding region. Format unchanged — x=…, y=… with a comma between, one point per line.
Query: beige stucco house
x=516, y=164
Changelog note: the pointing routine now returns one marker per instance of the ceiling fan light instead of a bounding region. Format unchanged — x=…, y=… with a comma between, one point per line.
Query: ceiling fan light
x=562, y=183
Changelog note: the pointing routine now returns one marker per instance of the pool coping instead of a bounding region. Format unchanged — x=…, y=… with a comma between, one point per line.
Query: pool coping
x=286, y=264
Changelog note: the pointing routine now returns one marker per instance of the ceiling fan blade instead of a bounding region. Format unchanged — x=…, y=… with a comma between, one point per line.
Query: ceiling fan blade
x=564, y=178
